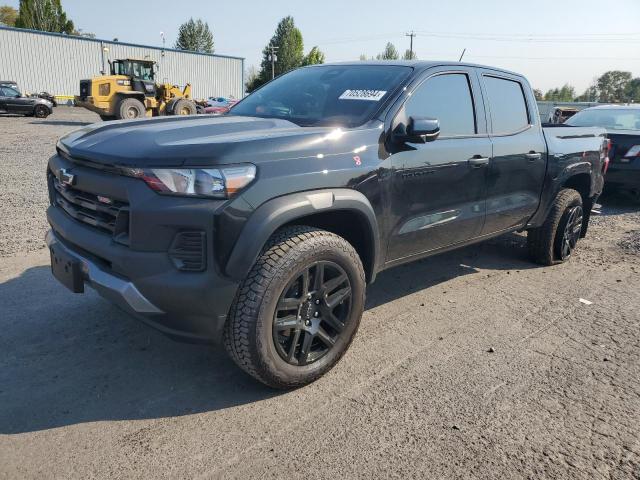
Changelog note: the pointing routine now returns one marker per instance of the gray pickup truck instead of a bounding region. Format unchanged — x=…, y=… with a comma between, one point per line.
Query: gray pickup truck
x=261, y=228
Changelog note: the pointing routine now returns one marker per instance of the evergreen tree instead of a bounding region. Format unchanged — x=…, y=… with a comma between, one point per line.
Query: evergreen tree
x=409, y=55
x=44, y=15
x=390, y=53
x=195, y=36
x=314, y=57
x=289, y=54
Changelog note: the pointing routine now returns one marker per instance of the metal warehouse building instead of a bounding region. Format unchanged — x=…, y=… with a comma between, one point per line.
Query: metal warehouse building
x=56, y=63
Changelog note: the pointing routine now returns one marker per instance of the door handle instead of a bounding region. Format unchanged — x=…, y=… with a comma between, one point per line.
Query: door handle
x=531, y=156
x=477, y=161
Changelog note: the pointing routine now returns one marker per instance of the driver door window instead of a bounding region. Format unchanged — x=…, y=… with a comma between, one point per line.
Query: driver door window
x=448, y=98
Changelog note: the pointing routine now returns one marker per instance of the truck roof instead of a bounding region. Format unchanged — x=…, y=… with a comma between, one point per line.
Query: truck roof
x=419, y=64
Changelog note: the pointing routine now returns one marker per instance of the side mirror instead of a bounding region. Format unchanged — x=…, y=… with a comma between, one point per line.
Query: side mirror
x=17, y=95
x=422, y=129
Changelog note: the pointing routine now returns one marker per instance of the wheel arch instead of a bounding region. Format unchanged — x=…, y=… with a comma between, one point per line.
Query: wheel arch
x=120, y=96
x=344, y=212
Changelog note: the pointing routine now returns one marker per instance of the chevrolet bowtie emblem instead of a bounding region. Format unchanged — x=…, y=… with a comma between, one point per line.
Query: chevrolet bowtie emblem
x=65, y=177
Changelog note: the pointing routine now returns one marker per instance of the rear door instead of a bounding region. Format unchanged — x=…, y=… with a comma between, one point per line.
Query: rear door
x=438, y=188
x=518, y=164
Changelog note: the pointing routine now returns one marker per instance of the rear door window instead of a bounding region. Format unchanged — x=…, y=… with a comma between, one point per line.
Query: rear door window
x=507, y=105
x=446, y=97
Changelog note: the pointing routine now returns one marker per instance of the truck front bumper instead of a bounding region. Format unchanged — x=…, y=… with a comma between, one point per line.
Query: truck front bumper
x=120, y=291
x=176, y=314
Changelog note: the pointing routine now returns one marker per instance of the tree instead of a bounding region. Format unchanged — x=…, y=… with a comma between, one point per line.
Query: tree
x=390, y=53
x=44, y=15
x=409, y=55
x=314, y=57
x=632, y=91
x=538, y=94
x=565, y=94
x=195, y=36
x=611, y=86
x=589, y=95
x=363, y=57
x=250, y=76
x=8, y=15
x=287, y=39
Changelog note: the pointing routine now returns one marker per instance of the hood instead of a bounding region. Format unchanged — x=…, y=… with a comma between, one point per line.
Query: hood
x=205, y=140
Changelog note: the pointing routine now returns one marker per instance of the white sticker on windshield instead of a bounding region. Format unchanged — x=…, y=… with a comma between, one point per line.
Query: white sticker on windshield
x=370, y=95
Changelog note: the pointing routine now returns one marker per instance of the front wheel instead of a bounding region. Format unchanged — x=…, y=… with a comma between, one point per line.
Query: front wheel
x=299, y=308
x=130, y=108
x=557, y=238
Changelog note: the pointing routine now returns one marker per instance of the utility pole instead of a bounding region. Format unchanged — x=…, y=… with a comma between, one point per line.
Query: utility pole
x=412, y=34
x=273, y=50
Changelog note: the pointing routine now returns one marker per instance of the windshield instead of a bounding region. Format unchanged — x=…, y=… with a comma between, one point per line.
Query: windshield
x=611, y=119
x=143, y=71
x=345, y=95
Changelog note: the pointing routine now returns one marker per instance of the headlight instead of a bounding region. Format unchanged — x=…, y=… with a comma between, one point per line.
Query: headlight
x=222, y=182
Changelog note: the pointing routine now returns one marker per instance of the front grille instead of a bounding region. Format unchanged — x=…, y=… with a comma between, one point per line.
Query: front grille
x=100, y=212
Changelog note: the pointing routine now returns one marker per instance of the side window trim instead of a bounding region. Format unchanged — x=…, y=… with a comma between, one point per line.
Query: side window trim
x=474, y=98
x=487, y=103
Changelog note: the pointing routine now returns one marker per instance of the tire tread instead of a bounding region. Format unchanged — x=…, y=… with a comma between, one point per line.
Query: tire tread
x=246, y=306
x=541, y=240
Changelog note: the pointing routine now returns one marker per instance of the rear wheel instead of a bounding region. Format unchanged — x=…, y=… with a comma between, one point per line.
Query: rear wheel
x=299, y=308
x=40, y=111
x=557, y=238
x=130, y=108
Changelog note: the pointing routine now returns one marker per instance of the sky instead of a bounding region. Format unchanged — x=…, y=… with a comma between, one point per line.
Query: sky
x=551, y=42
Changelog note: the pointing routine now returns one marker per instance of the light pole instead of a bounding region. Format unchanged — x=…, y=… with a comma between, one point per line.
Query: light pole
x=274, y=58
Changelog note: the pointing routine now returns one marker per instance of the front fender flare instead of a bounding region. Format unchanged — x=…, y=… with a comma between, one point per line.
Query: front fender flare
x=275, y=213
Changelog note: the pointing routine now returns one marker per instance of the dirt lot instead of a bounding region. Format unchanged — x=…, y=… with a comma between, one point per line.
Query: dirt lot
x=87, y=392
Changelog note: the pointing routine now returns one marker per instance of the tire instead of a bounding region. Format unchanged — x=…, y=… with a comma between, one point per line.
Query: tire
x=273, y=332
x=557, y=238
x=184, y=107
x=41, y=111
x=130, y=108
x=107, y=118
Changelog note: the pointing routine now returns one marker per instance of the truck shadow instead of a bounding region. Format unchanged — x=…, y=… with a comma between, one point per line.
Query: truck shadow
x=67, y=359
x=61, y=123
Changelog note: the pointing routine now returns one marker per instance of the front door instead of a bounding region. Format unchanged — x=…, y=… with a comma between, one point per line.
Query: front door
x=518, y=166
x=439, y=187
x=15, y=102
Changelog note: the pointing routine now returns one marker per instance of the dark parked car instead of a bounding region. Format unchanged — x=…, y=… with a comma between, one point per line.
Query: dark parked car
x=12, y=101
x=622, y=124
x=261, y=228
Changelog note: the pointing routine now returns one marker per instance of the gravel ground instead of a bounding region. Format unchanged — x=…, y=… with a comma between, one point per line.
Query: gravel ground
x=471, y=364
x=27, y=143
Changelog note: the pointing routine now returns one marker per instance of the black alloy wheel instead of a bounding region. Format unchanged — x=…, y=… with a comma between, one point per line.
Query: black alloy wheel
x=311, y=313
x=571, y=232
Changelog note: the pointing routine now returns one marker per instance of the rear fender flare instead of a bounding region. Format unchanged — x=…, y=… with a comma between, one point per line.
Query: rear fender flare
x=280, y=211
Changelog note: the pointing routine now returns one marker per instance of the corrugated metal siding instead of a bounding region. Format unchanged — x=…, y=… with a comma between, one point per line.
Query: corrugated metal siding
x=56, y=63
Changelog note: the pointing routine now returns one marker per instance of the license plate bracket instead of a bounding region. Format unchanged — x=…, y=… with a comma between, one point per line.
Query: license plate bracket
x=66, y=269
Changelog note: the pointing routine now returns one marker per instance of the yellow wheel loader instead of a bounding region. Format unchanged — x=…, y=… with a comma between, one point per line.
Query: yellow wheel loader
x=130, y=91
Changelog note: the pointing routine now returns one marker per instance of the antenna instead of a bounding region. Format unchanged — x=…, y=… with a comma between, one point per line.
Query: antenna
x=462, y=54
